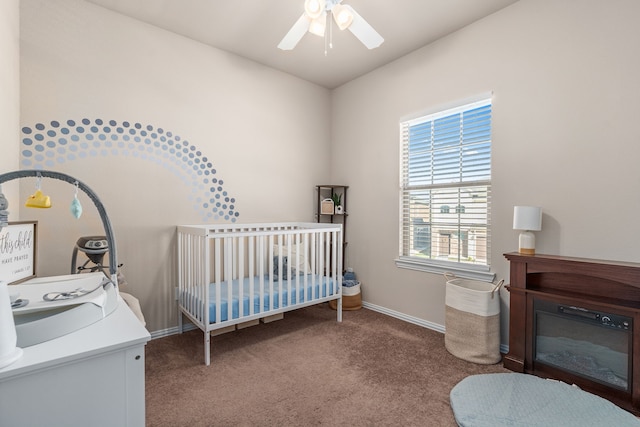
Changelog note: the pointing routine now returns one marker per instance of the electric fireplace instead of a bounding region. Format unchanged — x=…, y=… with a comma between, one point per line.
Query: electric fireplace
x=575, y=320
x=588, y=343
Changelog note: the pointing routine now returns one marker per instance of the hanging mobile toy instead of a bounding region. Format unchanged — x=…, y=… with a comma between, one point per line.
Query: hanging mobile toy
x=76, y=207
x=37, y=199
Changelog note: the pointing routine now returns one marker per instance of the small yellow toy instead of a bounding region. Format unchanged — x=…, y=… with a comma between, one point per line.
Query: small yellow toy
x=38, y=200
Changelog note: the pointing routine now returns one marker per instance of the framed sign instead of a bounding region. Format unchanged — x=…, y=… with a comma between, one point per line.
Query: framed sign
x=18, y=251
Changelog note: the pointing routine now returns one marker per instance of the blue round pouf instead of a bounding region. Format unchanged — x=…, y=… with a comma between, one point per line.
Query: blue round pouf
x=495, y=400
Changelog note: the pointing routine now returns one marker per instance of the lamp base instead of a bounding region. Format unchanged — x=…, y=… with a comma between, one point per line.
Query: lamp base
x=527, y=243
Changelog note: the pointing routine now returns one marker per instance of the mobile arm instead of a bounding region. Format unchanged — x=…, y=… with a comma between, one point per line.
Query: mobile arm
x=96, y=201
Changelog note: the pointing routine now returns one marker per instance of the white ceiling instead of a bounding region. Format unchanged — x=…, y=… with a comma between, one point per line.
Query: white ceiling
x=253, y=29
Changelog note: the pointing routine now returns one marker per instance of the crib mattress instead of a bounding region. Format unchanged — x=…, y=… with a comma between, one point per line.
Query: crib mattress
x=310, y=287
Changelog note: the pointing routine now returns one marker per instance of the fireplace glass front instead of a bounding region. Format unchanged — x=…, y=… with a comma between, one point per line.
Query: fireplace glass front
x=591, y=344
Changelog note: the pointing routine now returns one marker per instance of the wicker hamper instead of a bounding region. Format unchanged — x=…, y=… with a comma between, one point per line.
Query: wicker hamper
x=351, y=299
x=472, y=320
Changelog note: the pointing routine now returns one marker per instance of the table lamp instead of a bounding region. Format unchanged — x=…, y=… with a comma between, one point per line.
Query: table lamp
x=527, y=219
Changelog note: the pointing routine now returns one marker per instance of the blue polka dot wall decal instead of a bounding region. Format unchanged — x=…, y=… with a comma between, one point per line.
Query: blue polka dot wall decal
x=101, y=138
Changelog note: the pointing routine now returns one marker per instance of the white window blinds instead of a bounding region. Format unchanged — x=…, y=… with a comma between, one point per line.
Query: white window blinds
x=446, y=186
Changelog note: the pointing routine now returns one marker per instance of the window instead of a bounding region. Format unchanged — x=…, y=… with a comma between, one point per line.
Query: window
x=446, y=191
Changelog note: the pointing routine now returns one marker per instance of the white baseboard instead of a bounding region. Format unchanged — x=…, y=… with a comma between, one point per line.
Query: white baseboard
x=405, y=317
x=415, y=320
x=188, y=326
x=504, y=349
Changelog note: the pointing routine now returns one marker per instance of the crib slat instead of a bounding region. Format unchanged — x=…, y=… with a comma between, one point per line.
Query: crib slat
x=314, y=267
x=261, y=255
x=240, y=257
x=181, y=272
x=271, y=272
x=201, y=290
x=251, y=273
x=218, y=281
x=228, y=274
x=287, y=274
x=333, y=252
x=321, y=263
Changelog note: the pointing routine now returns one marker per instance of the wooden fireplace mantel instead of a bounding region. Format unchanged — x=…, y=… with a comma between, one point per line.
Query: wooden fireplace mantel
x=596, y=284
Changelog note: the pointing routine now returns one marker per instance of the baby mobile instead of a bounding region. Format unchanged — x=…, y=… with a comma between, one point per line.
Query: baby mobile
x=38, y=200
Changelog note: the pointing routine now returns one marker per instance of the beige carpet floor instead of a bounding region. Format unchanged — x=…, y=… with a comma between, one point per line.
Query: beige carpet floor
x=307, y=370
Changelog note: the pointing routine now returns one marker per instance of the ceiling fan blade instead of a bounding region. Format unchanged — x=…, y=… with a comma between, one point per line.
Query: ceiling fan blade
x=363, y=31
x=295, y=34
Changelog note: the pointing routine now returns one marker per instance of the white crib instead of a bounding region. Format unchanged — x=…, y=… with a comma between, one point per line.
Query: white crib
x=232, y=274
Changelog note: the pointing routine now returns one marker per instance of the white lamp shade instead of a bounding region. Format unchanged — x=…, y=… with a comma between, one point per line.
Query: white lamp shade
x=527, y=218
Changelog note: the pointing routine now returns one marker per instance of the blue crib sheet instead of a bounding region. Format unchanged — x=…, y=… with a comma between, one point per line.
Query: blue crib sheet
x=316, y=287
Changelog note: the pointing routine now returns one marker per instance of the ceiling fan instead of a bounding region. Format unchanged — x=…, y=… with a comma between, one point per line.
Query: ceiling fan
x=316, y=18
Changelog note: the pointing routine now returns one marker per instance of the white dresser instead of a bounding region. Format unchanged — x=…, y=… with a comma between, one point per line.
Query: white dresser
x=92, y=377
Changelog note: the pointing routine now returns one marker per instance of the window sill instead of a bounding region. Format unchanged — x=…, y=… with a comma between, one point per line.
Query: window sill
x=474, y=272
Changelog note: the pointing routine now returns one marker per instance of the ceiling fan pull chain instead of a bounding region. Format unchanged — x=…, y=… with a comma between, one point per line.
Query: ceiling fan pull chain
x=328, y=40
x=330, y=30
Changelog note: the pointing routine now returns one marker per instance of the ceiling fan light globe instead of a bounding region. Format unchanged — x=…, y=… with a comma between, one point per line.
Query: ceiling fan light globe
x=313, y=8
x=342, y=15
x=318, y=25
